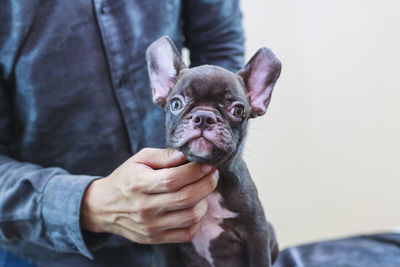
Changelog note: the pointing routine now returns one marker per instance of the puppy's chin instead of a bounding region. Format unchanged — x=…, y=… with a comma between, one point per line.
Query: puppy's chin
x=203, y=151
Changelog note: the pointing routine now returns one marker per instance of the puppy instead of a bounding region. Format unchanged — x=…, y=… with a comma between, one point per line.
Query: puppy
x=207, y=111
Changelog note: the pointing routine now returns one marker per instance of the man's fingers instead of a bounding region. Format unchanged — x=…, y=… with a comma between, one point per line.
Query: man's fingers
x=169, y=236
x=187, y=196
x=171, y=220
x=173, y=179
x=184, y=218
x=157, y=158
x=177, y=235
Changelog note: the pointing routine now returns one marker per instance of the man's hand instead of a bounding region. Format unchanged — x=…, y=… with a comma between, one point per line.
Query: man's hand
x=150, y=199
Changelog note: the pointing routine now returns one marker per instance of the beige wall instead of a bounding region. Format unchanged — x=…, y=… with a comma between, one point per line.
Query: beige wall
x=326, y=157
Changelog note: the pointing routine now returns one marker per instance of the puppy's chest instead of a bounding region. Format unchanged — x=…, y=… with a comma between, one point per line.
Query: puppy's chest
x=211, y=228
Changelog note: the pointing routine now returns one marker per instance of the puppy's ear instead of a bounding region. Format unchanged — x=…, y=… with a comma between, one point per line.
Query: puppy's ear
x=259, y=76
x=164, y=64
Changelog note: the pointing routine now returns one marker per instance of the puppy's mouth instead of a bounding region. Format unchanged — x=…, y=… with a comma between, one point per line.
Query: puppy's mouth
x=199, y=148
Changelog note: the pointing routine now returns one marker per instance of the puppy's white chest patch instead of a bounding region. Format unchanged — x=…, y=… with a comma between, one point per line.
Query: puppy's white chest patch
x=210, y=228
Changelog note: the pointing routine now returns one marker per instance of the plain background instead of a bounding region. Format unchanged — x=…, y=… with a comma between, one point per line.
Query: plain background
x=326, y=156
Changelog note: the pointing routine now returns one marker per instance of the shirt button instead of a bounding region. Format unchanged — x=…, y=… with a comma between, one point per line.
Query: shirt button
x=120, y=83
x=103, y=9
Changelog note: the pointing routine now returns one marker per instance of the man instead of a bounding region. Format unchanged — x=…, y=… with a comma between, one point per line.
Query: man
x=75, y=105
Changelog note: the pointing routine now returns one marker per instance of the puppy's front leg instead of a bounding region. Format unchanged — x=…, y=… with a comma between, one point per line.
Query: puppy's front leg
x=262, y=247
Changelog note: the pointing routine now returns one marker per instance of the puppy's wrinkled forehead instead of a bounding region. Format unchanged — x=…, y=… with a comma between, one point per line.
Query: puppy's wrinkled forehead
x=210, y=84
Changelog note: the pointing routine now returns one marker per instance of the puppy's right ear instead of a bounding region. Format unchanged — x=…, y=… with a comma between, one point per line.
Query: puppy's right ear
x=164, y=64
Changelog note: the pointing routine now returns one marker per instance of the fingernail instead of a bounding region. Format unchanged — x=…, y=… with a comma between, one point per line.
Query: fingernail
x=215, y=175
x=206, y=168
x=202, y=207
x=178, y=154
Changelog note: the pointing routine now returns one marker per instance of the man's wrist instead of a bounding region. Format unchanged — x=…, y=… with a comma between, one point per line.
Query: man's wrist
x=91, y=208
x=97, y=203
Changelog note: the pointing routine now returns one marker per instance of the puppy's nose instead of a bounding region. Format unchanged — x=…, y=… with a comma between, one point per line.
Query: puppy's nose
x=204, y=119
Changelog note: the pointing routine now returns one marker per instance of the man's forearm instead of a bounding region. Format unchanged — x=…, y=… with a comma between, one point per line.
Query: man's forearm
x=47, y=200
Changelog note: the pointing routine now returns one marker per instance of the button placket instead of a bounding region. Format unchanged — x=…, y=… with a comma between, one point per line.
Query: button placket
x=119, y=71
x=103, y=9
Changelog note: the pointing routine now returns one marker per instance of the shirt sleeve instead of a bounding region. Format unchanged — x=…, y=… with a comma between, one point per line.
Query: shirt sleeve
x=38, y=205
x=213, y=33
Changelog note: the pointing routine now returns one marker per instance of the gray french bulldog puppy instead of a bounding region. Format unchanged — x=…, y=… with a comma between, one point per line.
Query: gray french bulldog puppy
x=207, y=111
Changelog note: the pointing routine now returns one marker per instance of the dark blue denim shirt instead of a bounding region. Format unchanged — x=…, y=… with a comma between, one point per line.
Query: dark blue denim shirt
x=75, y=103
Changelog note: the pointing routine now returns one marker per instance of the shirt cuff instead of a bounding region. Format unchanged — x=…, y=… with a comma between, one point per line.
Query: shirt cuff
x=62, y=199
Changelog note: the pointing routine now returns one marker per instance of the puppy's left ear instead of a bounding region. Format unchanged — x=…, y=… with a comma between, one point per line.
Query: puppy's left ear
x=259, y=76
x=164, y=64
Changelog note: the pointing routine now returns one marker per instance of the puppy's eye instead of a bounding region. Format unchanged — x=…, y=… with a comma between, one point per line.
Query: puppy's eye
x=176, y=105
x=238, y=111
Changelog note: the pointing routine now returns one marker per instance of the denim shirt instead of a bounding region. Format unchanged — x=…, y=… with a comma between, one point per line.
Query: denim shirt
x=75, y=103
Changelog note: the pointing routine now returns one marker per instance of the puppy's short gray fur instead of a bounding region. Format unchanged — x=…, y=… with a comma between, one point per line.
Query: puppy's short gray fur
x=207, y=111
